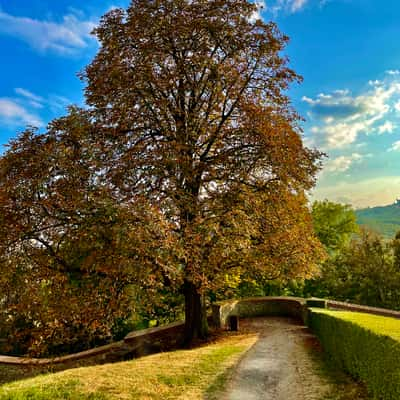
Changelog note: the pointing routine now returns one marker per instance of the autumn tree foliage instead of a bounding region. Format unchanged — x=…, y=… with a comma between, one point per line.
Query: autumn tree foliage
x=190, y=99
x=67, y=249
x=186, y=167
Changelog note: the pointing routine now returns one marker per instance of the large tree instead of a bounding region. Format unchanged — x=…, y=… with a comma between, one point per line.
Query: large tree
x=188, y=102
x=68, y=250
x=187, y=169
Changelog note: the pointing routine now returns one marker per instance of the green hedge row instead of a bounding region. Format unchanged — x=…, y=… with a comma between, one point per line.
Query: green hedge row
x=364, y=345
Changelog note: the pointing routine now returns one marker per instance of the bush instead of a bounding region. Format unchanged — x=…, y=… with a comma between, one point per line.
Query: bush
x=364, y=345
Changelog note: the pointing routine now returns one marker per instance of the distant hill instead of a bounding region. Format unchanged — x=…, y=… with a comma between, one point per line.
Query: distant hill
x=384, y=220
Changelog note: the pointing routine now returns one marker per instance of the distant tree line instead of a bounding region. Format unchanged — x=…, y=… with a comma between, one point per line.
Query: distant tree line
x=363, y=269
x=361, y=266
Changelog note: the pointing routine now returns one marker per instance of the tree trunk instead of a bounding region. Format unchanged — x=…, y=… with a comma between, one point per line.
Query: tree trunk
x=196, y=326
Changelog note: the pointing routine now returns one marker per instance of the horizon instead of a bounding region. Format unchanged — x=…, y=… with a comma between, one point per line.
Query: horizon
x=396, y=201
x=344, y=49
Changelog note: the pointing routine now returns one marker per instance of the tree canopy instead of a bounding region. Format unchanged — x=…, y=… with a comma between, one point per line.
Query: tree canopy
x=334, y=224
x=187, y=165
x=190, y=98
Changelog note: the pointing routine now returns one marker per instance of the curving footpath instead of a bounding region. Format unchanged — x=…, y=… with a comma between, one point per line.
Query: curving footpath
x=280, y=365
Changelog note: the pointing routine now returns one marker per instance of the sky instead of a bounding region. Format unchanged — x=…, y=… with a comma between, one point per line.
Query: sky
x=347, y=51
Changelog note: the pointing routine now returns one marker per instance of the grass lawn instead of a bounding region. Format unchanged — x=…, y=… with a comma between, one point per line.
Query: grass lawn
x=382, y=325
x=198, y=373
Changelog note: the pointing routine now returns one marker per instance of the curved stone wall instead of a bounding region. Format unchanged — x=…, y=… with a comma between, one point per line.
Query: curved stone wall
x=135, y=344
x=258, y=306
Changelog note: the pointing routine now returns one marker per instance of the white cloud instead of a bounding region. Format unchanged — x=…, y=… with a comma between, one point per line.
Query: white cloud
x=339, y=117
x=289, y=6
x=376, y=82
x=55, y=102
x=397, y=106
x=58, y=103
x=13, y=114
x=29, y=95
x=342, y=163
x=297, y=5
x=21, y=110
x=65, y=37
x=393, y=72
x=257, y=14
x=395, y=146
x=387, y=127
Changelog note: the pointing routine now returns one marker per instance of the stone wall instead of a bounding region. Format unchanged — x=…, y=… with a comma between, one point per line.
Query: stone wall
x=153, y=340
x=135, y=344
x=258, y=306
x=101, y=353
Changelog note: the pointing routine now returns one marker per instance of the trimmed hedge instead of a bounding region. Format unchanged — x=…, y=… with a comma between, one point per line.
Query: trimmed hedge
x=364, y=345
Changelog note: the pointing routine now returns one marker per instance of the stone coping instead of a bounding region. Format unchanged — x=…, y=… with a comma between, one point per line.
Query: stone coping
x=341, y=305
x=153, y=331
x=261, y=299
x=63, y=359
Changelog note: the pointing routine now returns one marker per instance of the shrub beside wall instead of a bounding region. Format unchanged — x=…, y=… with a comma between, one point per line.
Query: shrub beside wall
x=366, y=346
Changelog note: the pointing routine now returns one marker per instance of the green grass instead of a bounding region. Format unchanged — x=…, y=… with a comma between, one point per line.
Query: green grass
x=68, y=390
x=198, y=373
x=381, y=325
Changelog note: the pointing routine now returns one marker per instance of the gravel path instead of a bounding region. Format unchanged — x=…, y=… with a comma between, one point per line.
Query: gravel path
x=279, y=366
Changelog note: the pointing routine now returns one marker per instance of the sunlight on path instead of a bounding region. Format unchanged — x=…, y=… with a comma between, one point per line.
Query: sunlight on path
x=279, y=366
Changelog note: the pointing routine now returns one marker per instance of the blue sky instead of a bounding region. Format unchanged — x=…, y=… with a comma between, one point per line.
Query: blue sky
x=347, y=51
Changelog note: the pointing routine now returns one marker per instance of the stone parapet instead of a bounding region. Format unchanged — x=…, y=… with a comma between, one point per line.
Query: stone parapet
x=101, y=352
x=341, y=305
x=258, y=306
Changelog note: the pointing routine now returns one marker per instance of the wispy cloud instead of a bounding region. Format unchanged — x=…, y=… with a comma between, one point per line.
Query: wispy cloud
x=339, y=118
x=393, y=72
x=291, y=6
x=34, y=100
x=395, y=146
x=296, y=5
x=29, y=95
x=387, y=127
x=57, y=103
x=65, y=37
x=54, y=102
x=342, y=163
x=13, y=114
x=22, y=109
